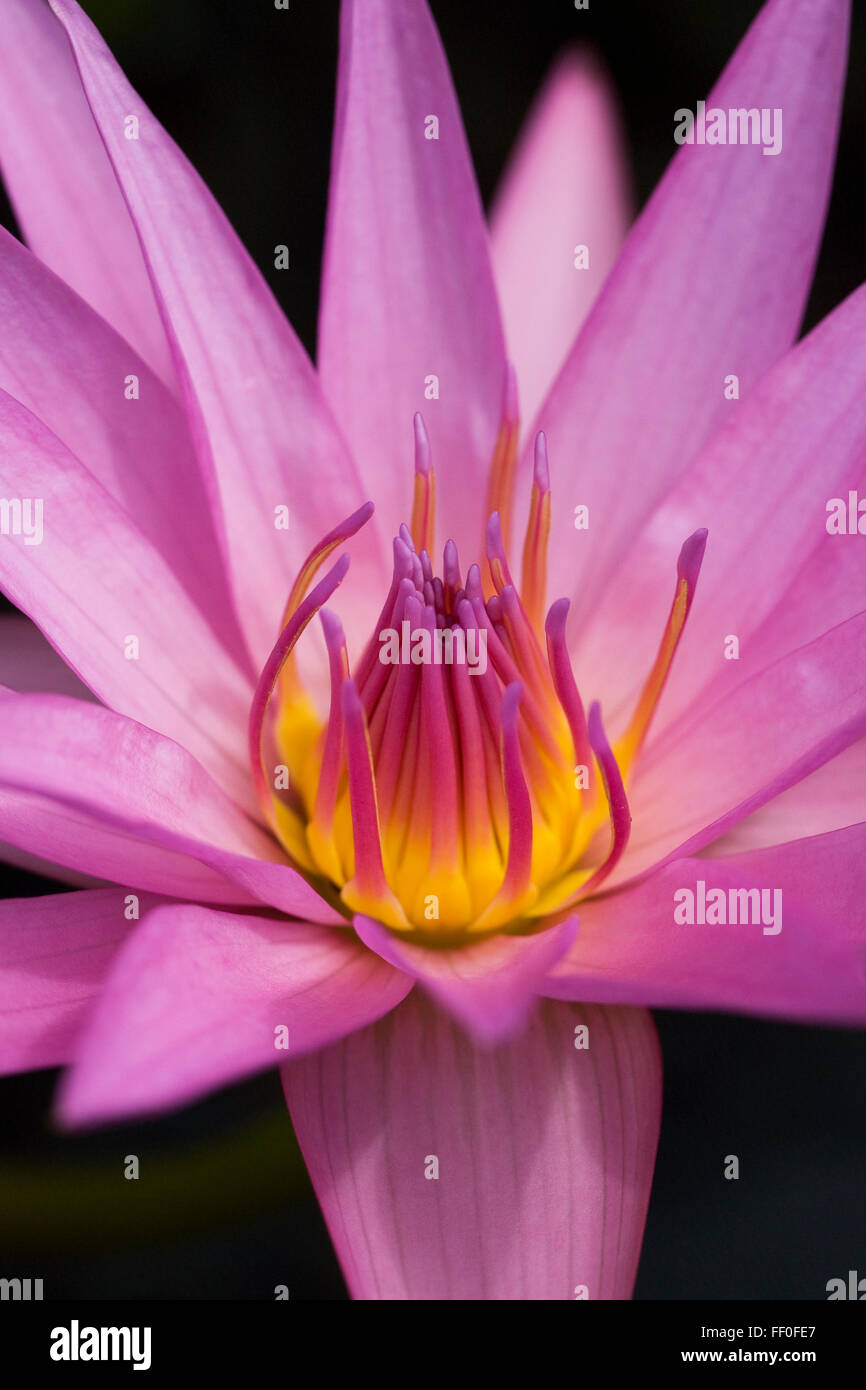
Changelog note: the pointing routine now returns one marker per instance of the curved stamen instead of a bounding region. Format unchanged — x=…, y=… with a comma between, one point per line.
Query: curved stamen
x=524, y=645
x=272, y=669
x=500, y=488
x=533, y=586
x=508, y=671
x=424, y=502
x=506, y=608
x=289, y=684
x=614, y=790
x=688, y=569
x=367, y=891
x=619, y=816
x=403, y=559
x=451, y=572
x=566, y=689
x=321, y=827
x=517, y=892
x=372, y=673
x=517, y=873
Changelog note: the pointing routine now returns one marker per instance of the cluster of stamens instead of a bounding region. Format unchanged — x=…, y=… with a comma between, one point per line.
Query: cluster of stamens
x=457, y=787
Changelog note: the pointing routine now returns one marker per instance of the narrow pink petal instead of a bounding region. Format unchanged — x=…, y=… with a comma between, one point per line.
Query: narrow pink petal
x=712, y=280
x=735, y=754
x=773, y=576
x=93, y=582
x=490, y=986
x=408, y=290
x=27, y=662
x=71, y=370
x=68, y=762
x=630, y=950
x=198, y=998
x=830, y=798
x=65, y=195
x=54, y=954
x=259, y=424
x=545, y=1154
x=566, y=185
x=88, y=846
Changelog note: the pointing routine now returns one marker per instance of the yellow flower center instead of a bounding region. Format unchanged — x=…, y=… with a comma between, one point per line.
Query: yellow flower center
x=456, y=787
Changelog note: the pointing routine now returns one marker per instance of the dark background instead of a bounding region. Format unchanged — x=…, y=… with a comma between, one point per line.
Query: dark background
x=223, y=1208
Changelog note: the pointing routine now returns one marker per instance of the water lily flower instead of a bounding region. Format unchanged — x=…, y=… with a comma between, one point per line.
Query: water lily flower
x=441, y=896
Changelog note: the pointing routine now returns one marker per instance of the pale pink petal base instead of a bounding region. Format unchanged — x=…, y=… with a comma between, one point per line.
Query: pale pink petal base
x=544, y=1152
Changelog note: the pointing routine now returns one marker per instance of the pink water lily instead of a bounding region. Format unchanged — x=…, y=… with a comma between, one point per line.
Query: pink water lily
x=441, y=896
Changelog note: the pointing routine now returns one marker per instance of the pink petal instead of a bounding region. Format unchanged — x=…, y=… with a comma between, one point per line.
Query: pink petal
x=256, y=414
x=196, y=998
x=54, y=953
x=65, y=195
x=830, y=798
x=183, y=682
x=45, y=868
x=772, y=575
x=408, y=289
x=733, y=755
x=545, y=1154
x=712, y=280
x=67, y=768
x=63, y=362
x=84, y=846
x=490, y=987
x=27, y=662
x=630, y=950
x=566, y=185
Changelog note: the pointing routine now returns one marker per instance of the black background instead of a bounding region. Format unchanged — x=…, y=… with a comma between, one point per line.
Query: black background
x=223, y=1208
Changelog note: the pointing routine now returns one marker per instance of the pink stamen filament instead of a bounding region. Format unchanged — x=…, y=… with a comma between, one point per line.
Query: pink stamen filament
x=369, y=875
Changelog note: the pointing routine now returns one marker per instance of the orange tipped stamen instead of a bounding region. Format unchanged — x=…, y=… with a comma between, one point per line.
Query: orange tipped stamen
x=367, y=891
x=500, y=485
x=688, y=569
x=290, y=687
x=534, y=572
x=424, y=499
